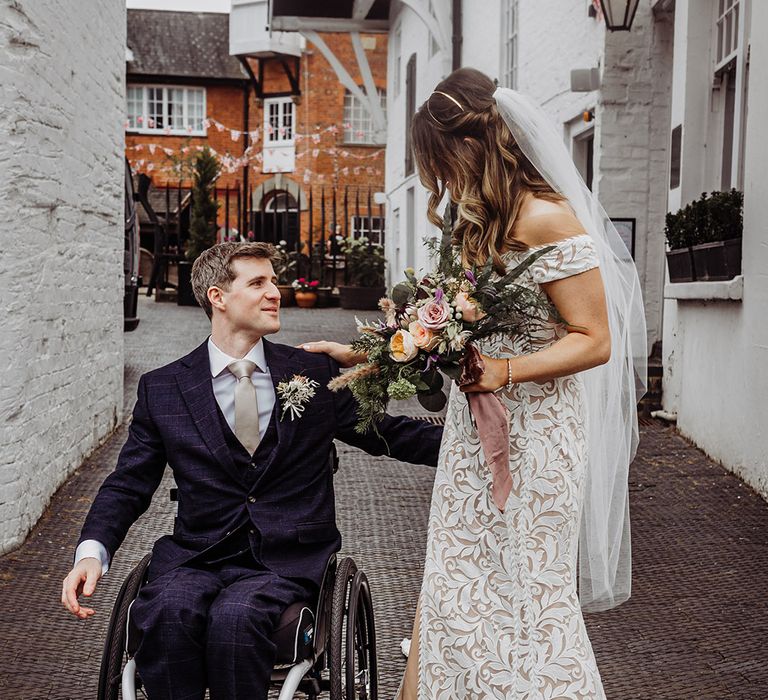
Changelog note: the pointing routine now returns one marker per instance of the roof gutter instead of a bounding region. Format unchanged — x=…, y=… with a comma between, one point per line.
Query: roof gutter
x=457, y=37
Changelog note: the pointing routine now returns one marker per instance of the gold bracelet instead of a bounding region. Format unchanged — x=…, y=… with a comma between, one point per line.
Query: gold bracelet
x=509, y=373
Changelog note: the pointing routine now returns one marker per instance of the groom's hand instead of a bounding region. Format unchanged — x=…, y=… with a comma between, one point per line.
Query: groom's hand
x=81, y=580
x=343, y=354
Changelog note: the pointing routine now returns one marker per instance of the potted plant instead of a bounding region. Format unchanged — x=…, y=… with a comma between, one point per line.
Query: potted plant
x=705, y=238
x=284, y=264
x=202, y=226
x=304, y=291
x=680, y=234
x=364, y=263
x=717, y=252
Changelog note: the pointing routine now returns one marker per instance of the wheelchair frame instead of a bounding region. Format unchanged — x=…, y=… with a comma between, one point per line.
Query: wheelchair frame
x=343, y=639
x=344, y=642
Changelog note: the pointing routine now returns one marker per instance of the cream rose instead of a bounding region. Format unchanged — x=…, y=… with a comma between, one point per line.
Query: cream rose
x=435, y=314
x=423, y=337
x=468, y=308
x=402, y=347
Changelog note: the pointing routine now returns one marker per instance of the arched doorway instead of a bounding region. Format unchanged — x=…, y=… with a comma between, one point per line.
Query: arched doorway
x=278, y=219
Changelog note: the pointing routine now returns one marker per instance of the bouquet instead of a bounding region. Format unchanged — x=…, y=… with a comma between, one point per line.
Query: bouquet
x=430, y=327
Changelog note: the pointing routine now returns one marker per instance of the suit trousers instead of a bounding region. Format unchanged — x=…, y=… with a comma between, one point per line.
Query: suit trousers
x=211, y=625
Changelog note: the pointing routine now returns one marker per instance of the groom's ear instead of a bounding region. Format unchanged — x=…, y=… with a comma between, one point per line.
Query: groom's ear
x=216, y=298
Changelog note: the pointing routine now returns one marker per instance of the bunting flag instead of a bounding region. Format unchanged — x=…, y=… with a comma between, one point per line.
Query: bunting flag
x=253, y=154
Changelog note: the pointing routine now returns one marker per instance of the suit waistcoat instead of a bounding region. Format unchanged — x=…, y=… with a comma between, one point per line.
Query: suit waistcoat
x=250, y=468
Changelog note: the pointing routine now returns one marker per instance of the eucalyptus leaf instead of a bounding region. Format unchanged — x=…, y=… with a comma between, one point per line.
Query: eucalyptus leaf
x=433, y=402
x=401, y=293
x=453, y=371
x=434, y=380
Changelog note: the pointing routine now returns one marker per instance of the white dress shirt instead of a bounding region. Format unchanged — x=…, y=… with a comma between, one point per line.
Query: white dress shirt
x=224, y=383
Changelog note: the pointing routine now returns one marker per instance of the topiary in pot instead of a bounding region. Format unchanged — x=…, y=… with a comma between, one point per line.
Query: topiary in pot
x=202, y=227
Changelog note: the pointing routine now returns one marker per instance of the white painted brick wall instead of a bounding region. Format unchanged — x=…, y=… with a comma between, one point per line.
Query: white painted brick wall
x=631, y=108
x=633, y=136
x=62, y=86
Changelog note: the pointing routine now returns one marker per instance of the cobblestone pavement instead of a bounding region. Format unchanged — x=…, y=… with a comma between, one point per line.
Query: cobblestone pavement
x=695, y=628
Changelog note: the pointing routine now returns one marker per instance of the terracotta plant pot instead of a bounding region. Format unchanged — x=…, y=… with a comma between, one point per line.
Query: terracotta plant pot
x=286, y=294
x=305, y=300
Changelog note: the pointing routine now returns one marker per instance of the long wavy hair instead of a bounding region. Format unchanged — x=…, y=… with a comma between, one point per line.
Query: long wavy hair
x=459, y=138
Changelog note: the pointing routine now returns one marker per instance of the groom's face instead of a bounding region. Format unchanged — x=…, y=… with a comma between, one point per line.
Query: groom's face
x=252, y=302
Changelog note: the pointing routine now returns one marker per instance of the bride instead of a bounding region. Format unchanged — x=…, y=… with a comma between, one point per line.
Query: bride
x=500, y=613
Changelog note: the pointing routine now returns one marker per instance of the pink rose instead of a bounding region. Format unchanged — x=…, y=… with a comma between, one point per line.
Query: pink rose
x=435, y=314
x=423, y=337
x=469, y=310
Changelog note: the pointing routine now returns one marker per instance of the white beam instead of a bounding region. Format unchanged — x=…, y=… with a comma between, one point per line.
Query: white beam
x=373, y=101
x=361, y=8
x=421, y=8
x=329, y=24
x=344, y=77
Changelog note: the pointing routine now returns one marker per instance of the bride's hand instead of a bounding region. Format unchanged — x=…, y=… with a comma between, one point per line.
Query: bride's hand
x=493, y=378
x=343, y=354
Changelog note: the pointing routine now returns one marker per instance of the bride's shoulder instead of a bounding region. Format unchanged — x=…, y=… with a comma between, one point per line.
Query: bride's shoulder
x=542, y=222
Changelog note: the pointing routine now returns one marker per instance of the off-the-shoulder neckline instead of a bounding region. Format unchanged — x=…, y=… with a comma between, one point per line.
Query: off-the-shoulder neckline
x=547, y=245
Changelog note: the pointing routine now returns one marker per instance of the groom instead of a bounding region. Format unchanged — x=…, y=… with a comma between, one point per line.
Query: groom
x=256, y=517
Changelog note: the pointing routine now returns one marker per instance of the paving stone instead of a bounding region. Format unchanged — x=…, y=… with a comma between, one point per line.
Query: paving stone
x=695, y=627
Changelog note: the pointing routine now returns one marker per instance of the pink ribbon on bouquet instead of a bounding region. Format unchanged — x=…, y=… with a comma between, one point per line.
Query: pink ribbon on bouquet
x=492, y=420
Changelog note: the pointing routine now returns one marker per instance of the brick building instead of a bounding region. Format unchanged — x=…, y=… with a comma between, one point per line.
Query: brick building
x=287, y=134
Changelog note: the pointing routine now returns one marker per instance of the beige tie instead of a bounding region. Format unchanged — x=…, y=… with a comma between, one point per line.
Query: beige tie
x=246, y=406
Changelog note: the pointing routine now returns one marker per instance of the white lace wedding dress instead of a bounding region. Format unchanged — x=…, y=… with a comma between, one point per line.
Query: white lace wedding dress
x=499, y=613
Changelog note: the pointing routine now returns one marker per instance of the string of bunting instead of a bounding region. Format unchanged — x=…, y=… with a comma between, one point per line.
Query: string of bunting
x=255, y=134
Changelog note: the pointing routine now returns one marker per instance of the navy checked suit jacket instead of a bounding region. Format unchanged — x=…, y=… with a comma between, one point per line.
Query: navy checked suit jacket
x=291, y=504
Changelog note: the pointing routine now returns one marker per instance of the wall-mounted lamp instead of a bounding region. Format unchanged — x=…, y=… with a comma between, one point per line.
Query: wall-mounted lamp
x=619, y=14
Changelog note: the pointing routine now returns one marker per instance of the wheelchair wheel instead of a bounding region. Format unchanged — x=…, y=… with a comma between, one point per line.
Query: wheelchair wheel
x=114, y=646
x=352, y=644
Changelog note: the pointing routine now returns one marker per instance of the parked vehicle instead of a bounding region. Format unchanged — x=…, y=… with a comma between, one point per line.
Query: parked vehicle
x=131, y=256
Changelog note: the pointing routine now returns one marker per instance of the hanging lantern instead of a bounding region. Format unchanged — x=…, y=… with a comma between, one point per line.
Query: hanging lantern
x=619, y=14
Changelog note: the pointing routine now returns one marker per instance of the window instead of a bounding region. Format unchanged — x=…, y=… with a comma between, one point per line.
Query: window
x=396, y=50
x=583, y=152
x=278, y=121
x=509, y=44
x=171, y=110
x=434, y=45
x=358, y=121
x=727, y=27
x=371, y=228
x=728, y=90
x=410, y=108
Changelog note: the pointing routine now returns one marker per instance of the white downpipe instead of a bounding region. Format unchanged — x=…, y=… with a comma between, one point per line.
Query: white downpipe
x=128, y=686
x=293, y=679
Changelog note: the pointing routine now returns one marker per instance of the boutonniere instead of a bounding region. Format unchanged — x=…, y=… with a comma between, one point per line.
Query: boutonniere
x=295, y=393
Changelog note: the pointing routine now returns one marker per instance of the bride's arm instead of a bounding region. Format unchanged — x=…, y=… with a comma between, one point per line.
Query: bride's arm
x=343, y=354
x=581, y=300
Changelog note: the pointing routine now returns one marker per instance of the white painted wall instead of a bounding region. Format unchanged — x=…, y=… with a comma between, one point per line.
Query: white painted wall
x=716, y=353
x=62, y=108
x=631, y=111
x=405, y=247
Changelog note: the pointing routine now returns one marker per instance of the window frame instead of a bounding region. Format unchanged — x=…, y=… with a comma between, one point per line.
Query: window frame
x=509, y=38
x=275, y=139
x=165, y=105
x=358, y=231
x=349, y=136
x=728, y=72
x=411, y=77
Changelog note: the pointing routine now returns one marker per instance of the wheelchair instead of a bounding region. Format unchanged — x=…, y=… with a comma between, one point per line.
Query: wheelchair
x=327, y=645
